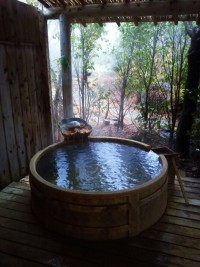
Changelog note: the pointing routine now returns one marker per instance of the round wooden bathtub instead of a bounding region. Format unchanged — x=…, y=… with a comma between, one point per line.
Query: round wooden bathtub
x=98, y=215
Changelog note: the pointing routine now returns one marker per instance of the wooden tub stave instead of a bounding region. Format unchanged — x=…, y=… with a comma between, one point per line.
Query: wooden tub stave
x=98, y=215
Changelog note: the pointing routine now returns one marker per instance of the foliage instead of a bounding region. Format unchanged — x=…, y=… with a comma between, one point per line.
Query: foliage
x=136, y=68
x=174, y=46
x=196, y=131
x=57, y=97
x=146, y=72
x=84, y=49
x=150, y=63
x=190, y=101
x=33, y=3
x=121, y=95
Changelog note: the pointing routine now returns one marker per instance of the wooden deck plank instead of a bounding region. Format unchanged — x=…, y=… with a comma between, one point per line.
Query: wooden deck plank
x=181, y=221
x=16, y=191
x=182, y=206
x=23, y=227
x=177, y=229
x=173, y=241
x=187, y=189
x=20, y=185
x=193, y=202
x=190, y=195
x=175, y=254
x=17, y=215
x=183, y=241
x=191, y=179
x=4, y=203
x=14, y=198
x=183, y=214
x=7, y=260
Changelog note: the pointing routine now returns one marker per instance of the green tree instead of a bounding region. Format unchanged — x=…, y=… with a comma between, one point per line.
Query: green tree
x=56, y=98
x=137, y=68
x=174, y=45
x=190, y=93
x=146, y=70
x=34, y=3
x=84, y=49
x=124, y=70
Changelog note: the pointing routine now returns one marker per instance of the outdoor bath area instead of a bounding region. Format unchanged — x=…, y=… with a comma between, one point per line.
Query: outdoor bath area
x=110, y=218
x=113, y=220
x=97, y=188
x=172, y=241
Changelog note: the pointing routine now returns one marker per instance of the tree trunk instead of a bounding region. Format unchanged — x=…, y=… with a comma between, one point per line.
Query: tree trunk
x=121, y=108
x=190, y=95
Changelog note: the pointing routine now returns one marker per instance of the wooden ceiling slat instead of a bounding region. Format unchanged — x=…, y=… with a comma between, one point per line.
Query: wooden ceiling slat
x=102, y=11
x=62, y=2
x=44, y=3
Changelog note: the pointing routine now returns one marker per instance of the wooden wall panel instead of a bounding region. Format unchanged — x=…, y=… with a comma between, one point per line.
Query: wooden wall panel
x=7, y=114
x=4, y=164
x=25, y=117
x=13, y=78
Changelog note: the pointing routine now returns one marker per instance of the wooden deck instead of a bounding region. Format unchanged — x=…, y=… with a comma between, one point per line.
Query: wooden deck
x=173, y=241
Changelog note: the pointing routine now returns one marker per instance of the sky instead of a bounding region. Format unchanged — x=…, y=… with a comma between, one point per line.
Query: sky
x=103, y=63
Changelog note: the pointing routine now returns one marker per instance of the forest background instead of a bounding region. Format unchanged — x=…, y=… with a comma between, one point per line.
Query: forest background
x=128, y=81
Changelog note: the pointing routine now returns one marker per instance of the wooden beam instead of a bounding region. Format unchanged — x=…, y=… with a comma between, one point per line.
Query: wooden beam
x=198, y=20
x=117, y=21
x=62, y=2
x=153, y=8
x=44, y=3
x=136, y=21
x=65, y=44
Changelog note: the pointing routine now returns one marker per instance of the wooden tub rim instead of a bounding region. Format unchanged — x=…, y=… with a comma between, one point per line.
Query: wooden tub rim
x=138, y=188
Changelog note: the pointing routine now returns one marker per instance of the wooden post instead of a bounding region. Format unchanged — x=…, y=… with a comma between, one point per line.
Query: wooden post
x=180, y=182
x=65, y=44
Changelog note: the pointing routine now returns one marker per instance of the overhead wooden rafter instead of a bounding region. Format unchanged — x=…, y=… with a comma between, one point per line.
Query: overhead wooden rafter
x=102, y=11
x=118, y=11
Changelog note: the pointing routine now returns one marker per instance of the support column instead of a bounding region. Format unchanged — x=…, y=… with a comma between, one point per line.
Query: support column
x=65, y=45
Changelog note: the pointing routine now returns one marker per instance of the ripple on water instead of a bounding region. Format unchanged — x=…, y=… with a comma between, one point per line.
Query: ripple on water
x=98, y=166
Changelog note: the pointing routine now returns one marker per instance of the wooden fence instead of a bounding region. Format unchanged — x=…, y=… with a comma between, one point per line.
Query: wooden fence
x=25, y=117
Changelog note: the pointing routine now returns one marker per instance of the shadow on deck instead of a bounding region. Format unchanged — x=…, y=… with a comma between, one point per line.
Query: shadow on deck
x=173, y=241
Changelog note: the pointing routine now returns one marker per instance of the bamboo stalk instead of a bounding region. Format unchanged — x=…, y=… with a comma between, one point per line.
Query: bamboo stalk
x=180, y=182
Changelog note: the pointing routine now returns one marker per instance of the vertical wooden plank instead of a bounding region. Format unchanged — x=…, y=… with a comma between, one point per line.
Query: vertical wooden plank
x=28, y=29
x=45, y=79
x=9, y=127
x=25, y=116
x=5, y=178
x=13, y=71
x=23, y=81
x=4, y=167
x=39, y=96
x=1, y=24
x=22, y=26
x=134, y=215
x=36, y=76
x=35, y=25
x=25, y=100
x=8, y=17
x=29, y=15
x=19, y=23
x=36, y=141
